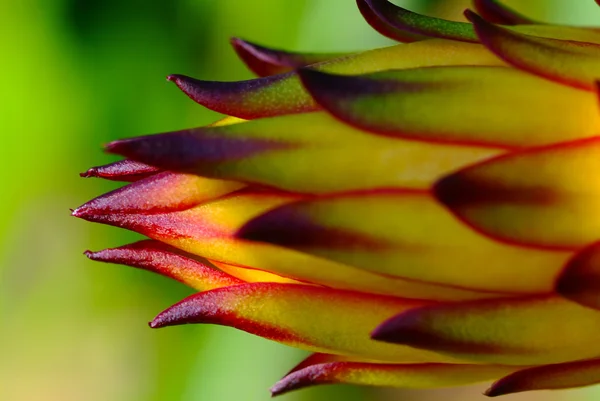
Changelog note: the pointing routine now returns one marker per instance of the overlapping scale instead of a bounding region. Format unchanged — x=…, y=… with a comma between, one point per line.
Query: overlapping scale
x=574, y=61
x=460, y=104
x=405, y=234
x=208, y=230
x=544, y=197
x=278, y=312
x=548, y=377
x=283, y=93
x=332, y=369
x=292, y=152
x=522, y=331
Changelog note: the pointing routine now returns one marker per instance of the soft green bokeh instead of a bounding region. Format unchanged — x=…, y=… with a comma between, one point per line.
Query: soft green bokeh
x=79, y=73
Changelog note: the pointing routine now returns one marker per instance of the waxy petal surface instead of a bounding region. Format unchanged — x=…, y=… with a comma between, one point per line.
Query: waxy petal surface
x=265, y=61
x=521, y=331
x=292, y=152
x=163, y=192
x=545, y=197
x=408, y=235
x=498, y=13
x=278, y=312
x=208, y=230
x=383, y=27
x=580, y=280
x=167, y=261
x=548, y=377
x=423, y=375
x=574, y=62
x=123, y=170
x=283, y=93
x=460, y=104
x=403, y=19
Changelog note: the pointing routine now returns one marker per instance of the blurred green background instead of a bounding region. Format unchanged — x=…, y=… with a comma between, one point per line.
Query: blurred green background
x=79, y=73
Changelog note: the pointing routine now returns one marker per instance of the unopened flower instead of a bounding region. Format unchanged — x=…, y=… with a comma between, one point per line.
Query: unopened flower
x=421, y=215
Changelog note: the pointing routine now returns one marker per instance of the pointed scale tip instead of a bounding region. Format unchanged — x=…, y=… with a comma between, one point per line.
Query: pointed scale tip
x=402, y=329
x=82, y=212
x=92, y=172
x=471, y=15
x=501, y=387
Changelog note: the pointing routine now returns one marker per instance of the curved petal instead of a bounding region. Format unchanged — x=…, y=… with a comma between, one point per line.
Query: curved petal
x=408, y=235
x=208, y=231
x=403, y=19
x=383, y=28
x=542, y=197
x=498, y=13
x=580, y=280
x=265, y=61
x=520, y=331
x=167, y=261
x=163, y=192
x=422, y=375
x=548, y=377
x=283, y=93
x=460, y=104
x=294, y=152
x=123, y=170
x=308, y=317
x=574, y=63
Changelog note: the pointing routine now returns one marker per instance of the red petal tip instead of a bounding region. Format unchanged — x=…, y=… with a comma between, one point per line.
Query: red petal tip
x=92, y=172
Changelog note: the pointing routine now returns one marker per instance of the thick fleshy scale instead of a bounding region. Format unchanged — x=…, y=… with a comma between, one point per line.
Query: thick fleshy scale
x=277, y=311
x=383, y=27
x=554, y=205
x=161, y=193
x=548, y=377
x=422, y=375
x=520, y=331
x=422, y=215
x=408, y=235
x=574, y=62
x=283, y=93
x=160, y=258
x=262, y=152
x=403, y=19
x=460, y=104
